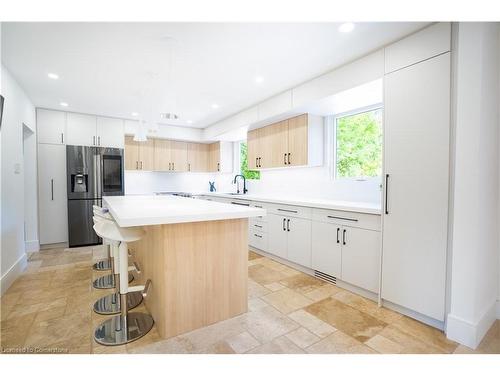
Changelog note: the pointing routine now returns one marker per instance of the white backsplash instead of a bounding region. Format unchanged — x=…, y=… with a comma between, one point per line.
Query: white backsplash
x=313, y=183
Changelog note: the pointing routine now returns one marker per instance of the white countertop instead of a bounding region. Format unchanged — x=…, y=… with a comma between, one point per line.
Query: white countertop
x=361, y=207
x=142, y=210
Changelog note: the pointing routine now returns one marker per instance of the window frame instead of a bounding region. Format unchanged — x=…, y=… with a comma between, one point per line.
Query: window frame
x=333, y=139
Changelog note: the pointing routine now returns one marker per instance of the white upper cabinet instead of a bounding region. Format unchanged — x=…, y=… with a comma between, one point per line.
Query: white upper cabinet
x=427, y=43
x=51, y=126
x=81, y=130
x=110, y=132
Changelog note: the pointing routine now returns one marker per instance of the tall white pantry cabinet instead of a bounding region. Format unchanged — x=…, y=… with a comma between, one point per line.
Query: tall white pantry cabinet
x=416, y=171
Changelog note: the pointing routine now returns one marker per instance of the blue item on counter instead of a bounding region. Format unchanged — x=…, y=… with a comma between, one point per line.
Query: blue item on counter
x=212, y=186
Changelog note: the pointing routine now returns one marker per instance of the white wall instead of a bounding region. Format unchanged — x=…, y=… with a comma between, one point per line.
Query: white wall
x=30, y=189
x=474, y=268
x=18, y=109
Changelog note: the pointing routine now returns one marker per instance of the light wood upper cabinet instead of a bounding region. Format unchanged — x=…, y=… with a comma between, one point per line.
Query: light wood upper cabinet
x=179, y=156
x=167, y=155
x=139, y=155
x=197, y=157
x=214, y=157
x=297, y=141
x=131, y=154
x=146, y=154
x=252, y=147
x=162, y=155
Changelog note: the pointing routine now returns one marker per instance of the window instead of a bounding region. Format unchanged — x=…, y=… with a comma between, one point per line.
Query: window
x=249, y=175
x=358, y=144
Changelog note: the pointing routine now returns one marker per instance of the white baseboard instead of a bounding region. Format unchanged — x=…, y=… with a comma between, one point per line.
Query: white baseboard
x=471, y=333
x=31, y=246
x=12, y=273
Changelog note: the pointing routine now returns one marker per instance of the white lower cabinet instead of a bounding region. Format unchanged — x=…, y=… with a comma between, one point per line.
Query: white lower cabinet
x=361, y=257
x=347, y=253
x=52, y=197
x=299, y=241
x=326, y=248
x=277, y=242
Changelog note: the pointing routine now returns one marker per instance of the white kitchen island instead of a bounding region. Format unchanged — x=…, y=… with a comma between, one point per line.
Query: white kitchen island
x=195, y=252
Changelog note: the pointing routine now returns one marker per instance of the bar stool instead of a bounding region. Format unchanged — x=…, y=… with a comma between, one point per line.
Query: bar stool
x=125, y=327
x=104, y=264
x=110, y=304
x=106, y=281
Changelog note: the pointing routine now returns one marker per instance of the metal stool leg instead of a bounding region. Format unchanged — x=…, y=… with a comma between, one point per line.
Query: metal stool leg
x=104, y=264
x=110, y=304
x=108, y=281
x=126, y=327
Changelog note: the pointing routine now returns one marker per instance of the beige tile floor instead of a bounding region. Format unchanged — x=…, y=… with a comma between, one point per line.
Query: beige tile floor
x=48, y=309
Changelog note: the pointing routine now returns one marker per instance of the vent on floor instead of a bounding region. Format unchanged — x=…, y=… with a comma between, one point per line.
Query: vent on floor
x=325, y=277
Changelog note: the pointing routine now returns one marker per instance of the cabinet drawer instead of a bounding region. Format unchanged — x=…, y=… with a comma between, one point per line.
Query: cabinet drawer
x=257, y=224
x=257, y=239
x=352, y=219
x=287, y=210
x=263, y=206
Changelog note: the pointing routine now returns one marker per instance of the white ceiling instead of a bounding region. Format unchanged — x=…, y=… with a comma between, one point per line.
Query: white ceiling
x=114, y=69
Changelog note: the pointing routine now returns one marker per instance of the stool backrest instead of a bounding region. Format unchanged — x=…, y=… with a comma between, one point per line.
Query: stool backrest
x=100, y=214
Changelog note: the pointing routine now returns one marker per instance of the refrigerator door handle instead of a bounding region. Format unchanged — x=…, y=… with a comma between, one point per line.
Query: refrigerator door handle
x=98, y=171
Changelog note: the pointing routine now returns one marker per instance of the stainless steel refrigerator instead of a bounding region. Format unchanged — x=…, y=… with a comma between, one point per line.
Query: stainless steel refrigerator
x=92, y=172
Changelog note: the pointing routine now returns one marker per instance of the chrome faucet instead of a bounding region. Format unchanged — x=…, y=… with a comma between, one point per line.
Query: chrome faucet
x=244, y=183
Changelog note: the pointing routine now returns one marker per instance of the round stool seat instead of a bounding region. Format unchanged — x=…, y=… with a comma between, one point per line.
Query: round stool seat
x=109, y=230
x=110, y=304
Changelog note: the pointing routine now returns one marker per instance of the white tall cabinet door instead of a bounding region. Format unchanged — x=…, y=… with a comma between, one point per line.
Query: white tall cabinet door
x=52, y=197
x=416, y=146
x=299, y=241
x=51, y=126
x=277, y=243
x=81, y=129
x=361, y=257
x=110, y=132
x=326, y=248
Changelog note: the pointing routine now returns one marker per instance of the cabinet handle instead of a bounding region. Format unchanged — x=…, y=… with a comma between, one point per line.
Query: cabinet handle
x=289, y=162
x=386, y=190
x=52, y=188
x=62, y=137
x=341, y=218
x=256, y=162
x=93, y=140
x=218, y=167
x=284, y=221
x=343, y=237
x=189, y=167
x=141, y=164
x=256, y=235
x=284, y=158
x=338, y=230
x=282, y=209
x=169, y=166
x=173, y=166
x=99, y=140
x=136, y=164
x=258, y=226
x=288, y=225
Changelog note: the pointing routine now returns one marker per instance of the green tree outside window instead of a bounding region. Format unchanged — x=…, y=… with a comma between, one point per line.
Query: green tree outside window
x=249, y=175
x=359, y=144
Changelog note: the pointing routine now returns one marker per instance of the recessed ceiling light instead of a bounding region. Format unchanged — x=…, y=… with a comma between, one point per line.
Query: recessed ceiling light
x=259, y=79
x=189, y=121
x=346, y=27
x=215, y=106
x=63, y=104
x=52, y=76
x=135, y=114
